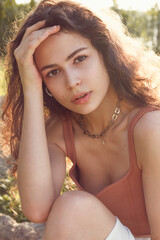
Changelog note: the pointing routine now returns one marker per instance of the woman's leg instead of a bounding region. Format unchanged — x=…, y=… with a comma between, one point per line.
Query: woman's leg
x=78, y=215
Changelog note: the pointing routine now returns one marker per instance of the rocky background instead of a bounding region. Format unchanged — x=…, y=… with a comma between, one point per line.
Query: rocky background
x=9, y=228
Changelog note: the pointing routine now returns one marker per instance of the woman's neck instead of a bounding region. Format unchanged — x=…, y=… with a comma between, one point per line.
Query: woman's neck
x=97, y=120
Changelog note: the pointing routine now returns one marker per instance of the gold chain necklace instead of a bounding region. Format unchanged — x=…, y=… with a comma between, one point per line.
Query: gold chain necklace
x=105, y=130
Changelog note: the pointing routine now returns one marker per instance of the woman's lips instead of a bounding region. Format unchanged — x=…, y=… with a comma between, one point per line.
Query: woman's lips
x=81, y=98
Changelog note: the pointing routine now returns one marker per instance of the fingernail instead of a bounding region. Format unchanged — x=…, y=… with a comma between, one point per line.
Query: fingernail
x=55, y=27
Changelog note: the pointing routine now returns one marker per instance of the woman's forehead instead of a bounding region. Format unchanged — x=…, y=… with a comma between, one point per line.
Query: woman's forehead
x=59, y=46
x=62, y=41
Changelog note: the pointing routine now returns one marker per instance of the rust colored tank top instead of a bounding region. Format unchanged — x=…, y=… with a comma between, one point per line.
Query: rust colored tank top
x=124, y=198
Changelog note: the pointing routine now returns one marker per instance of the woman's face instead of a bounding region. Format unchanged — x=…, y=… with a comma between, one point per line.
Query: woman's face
x=73, y=71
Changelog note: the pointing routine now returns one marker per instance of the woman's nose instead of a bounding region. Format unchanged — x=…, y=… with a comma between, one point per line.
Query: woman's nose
x=72, y=80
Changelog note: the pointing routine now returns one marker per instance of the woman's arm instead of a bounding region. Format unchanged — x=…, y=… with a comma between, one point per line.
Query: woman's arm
x=35, y=181
x=147, y=144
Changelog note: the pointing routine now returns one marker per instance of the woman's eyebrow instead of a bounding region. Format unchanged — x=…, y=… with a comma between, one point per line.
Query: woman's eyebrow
x=68, y=58
x=75, y=52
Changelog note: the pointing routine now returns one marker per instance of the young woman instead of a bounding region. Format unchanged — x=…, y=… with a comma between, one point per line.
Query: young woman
x=83, y=88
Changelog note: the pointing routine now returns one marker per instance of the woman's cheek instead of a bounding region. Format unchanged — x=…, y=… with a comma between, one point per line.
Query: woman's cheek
x=59, y=94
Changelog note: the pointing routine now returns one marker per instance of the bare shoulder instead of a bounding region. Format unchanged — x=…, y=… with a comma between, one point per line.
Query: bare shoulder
x=147, y=137
x=149, y=122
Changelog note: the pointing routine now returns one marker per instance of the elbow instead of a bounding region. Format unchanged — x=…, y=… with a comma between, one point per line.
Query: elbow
x=36, y=211
x=35, y=218
x=36, y=215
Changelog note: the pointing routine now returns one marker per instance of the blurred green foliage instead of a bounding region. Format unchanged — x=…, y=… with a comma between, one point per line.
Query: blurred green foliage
x=9, y=11
x=9, y=199
x=144, y=25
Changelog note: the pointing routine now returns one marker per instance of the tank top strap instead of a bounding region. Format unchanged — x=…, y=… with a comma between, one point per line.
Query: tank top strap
x=134, y=120
x=69, y=135
x=69, y=138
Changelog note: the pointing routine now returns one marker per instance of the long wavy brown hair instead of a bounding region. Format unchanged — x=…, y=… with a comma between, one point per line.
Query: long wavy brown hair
x=133, y=70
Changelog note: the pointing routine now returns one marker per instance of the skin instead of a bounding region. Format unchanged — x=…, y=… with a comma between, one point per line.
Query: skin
x=81, y=73
x=42, y=148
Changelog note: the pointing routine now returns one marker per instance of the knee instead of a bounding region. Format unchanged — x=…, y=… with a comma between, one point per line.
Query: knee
x=75, y=201
x=79, y=207
x=72, y=204
x=78, y=203
x=81, y=212
x=67, y=211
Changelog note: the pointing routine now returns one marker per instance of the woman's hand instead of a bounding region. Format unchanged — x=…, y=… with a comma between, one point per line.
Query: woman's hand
x=33, y=37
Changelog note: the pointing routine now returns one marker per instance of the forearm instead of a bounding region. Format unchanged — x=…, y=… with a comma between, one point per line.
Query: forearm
x=34, y=171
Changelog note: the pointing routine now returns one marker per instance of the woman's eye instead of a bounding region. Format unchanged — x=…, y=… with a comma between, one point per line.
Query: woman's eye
x=53, y=73
x=80, y=59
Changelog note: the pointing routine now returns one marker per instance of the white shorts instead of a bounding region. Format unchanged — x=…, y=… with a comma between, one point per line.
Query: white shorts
x=120, y=232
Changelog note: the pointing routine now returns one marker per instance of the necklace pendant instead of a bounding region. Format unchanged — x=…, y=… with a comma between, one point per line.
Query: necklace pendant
x=105, y=130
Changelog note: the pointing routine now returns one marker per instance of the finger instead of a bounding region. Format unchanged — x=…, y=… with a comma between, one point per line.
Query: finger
x=48, y=31
x=33, y=28
x=39, y=36
x=29, y=45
